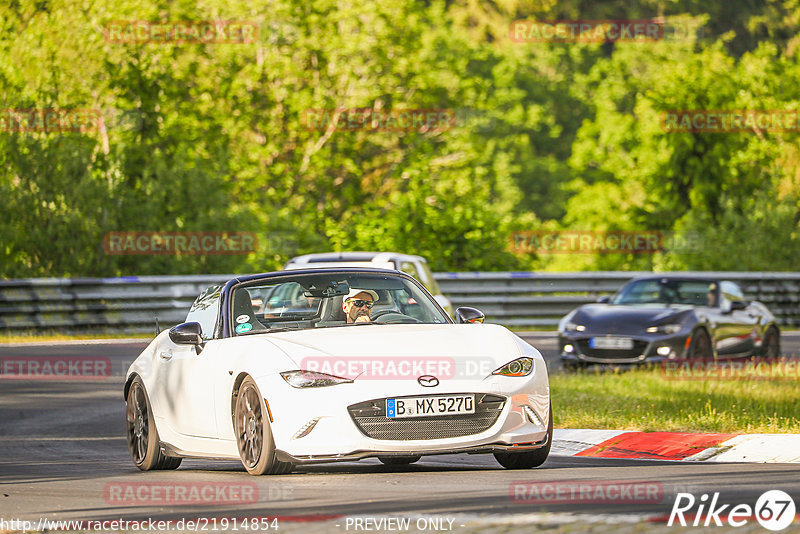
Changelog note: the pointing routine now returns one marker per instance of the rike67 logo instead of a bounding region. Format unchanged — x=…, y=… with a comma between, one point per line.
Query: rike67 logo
x=774, y=510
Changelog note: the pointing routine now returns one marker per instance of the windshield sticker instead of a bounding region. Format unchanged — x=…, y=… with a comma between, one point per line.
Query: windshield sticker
x=242, y=319
x=242, y=328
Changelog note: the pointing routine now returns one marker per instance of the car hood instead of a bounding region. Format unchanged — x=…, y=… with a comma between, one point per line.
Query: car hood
x=626, y=319
x=491, y=345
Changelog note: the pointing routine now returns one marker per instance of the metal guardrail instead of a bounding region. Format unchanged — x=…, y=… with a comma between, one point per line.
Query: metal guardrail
x=126, y=304
x=519, y=299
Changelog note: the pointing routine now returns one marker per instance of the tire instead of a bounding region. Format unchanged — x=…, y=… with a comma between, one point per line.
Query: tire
x=398, y=460
x=253, y=433
x=142, y=435
x=700, y=346
x=771, y=346
x=528, y=460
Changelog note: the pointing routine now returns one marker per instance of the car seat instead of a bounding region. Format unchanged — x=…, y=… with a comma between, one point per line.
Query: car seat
x=332, y=311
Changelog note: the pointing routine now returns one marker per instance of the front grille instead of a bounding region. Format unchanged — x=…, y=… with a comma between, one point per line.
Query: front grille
x=370, y=418
x=612, y=354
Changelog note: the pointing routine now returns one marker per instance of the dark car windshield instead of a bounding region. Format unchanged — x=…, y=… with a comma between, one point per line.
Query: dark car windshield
x=668, y=291
x=316, y=300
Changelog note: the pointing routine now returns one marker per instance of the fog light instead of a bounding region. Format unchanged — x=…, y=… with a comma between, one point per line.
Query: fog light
x=568, y=348
x=663, y=351
x=532, y=415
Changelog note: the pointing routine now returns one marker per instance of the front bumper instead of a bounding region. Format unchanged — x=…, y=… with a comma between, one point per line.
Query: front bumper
x=645, y=349
x=360, y=455
x=336, y=436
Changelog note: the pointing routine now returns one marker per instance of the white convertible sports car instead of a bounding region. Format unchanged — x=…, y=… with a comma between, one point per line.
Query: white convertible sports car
x=364, y=364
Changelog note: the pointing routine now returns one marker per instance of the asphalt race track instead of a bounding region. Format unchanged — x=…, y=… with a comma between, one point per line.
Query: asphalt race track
x=63, y=455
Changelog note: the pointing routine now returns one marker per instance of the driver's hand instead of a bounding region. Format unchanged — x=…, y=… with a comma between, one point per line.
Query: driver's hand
x=362, y=319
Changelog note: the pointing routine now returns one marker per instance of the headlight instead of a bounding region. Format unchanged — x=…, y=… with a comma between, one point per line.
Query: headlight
x=574, y=327
x=312, y=379
x=519, y=367
x=664, y=329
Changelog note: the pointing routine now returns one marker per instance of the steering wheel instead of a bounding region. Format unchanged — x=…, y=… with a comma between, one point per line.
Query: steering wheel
x=392, y=317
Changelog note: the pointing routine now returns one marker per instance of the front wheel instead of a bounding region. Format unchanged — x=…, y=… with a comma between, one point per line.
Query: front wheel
x=771, y=346
x=528, y=460
x=253, y=433
x=700, y=346
x=143, y=443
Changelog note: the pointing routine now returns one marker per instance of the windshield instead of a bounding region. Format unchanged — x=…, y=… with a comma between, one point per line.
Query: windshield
x=329, y=300
x=667, y=291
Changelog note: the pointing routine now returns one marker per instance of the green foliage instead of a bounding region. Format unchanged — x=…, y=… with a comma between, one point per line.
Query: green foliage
x=721, y=185
x=760, y=234
x=216, y=137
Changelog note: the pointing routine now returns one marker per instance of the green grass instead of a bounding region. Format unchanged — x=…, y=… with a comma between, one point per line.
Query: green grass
x=541, y=328
x=646, y=400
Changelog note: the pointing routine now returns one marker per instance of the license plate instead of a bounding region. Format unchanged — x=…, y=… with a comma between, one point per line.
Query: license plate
x=429, y=406
x=623, y=343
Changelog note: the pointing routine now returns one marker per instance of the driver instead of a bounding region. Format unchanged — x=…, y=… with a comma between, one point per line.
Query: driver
x=357, y=305
x=711, y=297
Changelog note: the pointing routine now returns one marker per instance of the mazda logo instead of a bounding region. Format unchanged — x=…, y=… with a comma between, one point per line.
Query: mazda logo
x=428, y=381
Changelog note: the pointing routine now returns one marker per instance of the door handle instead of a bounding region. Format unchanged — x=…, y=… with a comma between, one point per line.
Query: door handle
x=164, y=355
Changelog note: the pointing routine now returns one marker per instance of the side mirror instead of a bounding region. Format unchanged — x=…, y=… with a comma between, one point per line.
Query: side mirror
x=605, y=299
x=469, y=315
x=187, y=334
x=738, y=305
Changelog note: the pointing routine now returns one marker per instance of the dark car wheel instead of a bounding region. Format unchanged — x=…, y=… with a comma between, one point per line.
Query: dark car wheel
x=772, y=343
x=253, y=433
x=398, y=460
x=700, y=347
x=528, y=460
x=143, y=443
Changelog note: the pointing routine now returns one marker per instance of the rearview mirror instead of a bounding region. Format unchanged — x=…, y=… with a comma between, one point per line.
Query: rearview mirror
x=335, y=289
x=469, y=315
x=187, y=334
x=738, y=305
x=604, y=299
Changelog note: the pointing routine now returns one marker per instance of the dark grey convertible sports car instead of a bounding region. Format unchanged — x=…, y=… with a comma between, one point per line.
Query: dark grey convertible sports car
x=668, y=317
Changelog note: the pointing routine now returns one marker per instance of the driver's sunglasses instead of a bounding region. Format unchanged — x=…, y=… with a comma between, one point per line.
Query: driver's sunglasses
x=359, y=303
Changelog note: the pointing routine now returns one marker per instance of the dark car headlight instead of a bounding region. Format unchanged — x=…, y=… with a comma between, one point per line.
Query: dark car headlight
x=518, y=367
x=664, y=329
x=570, y=326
